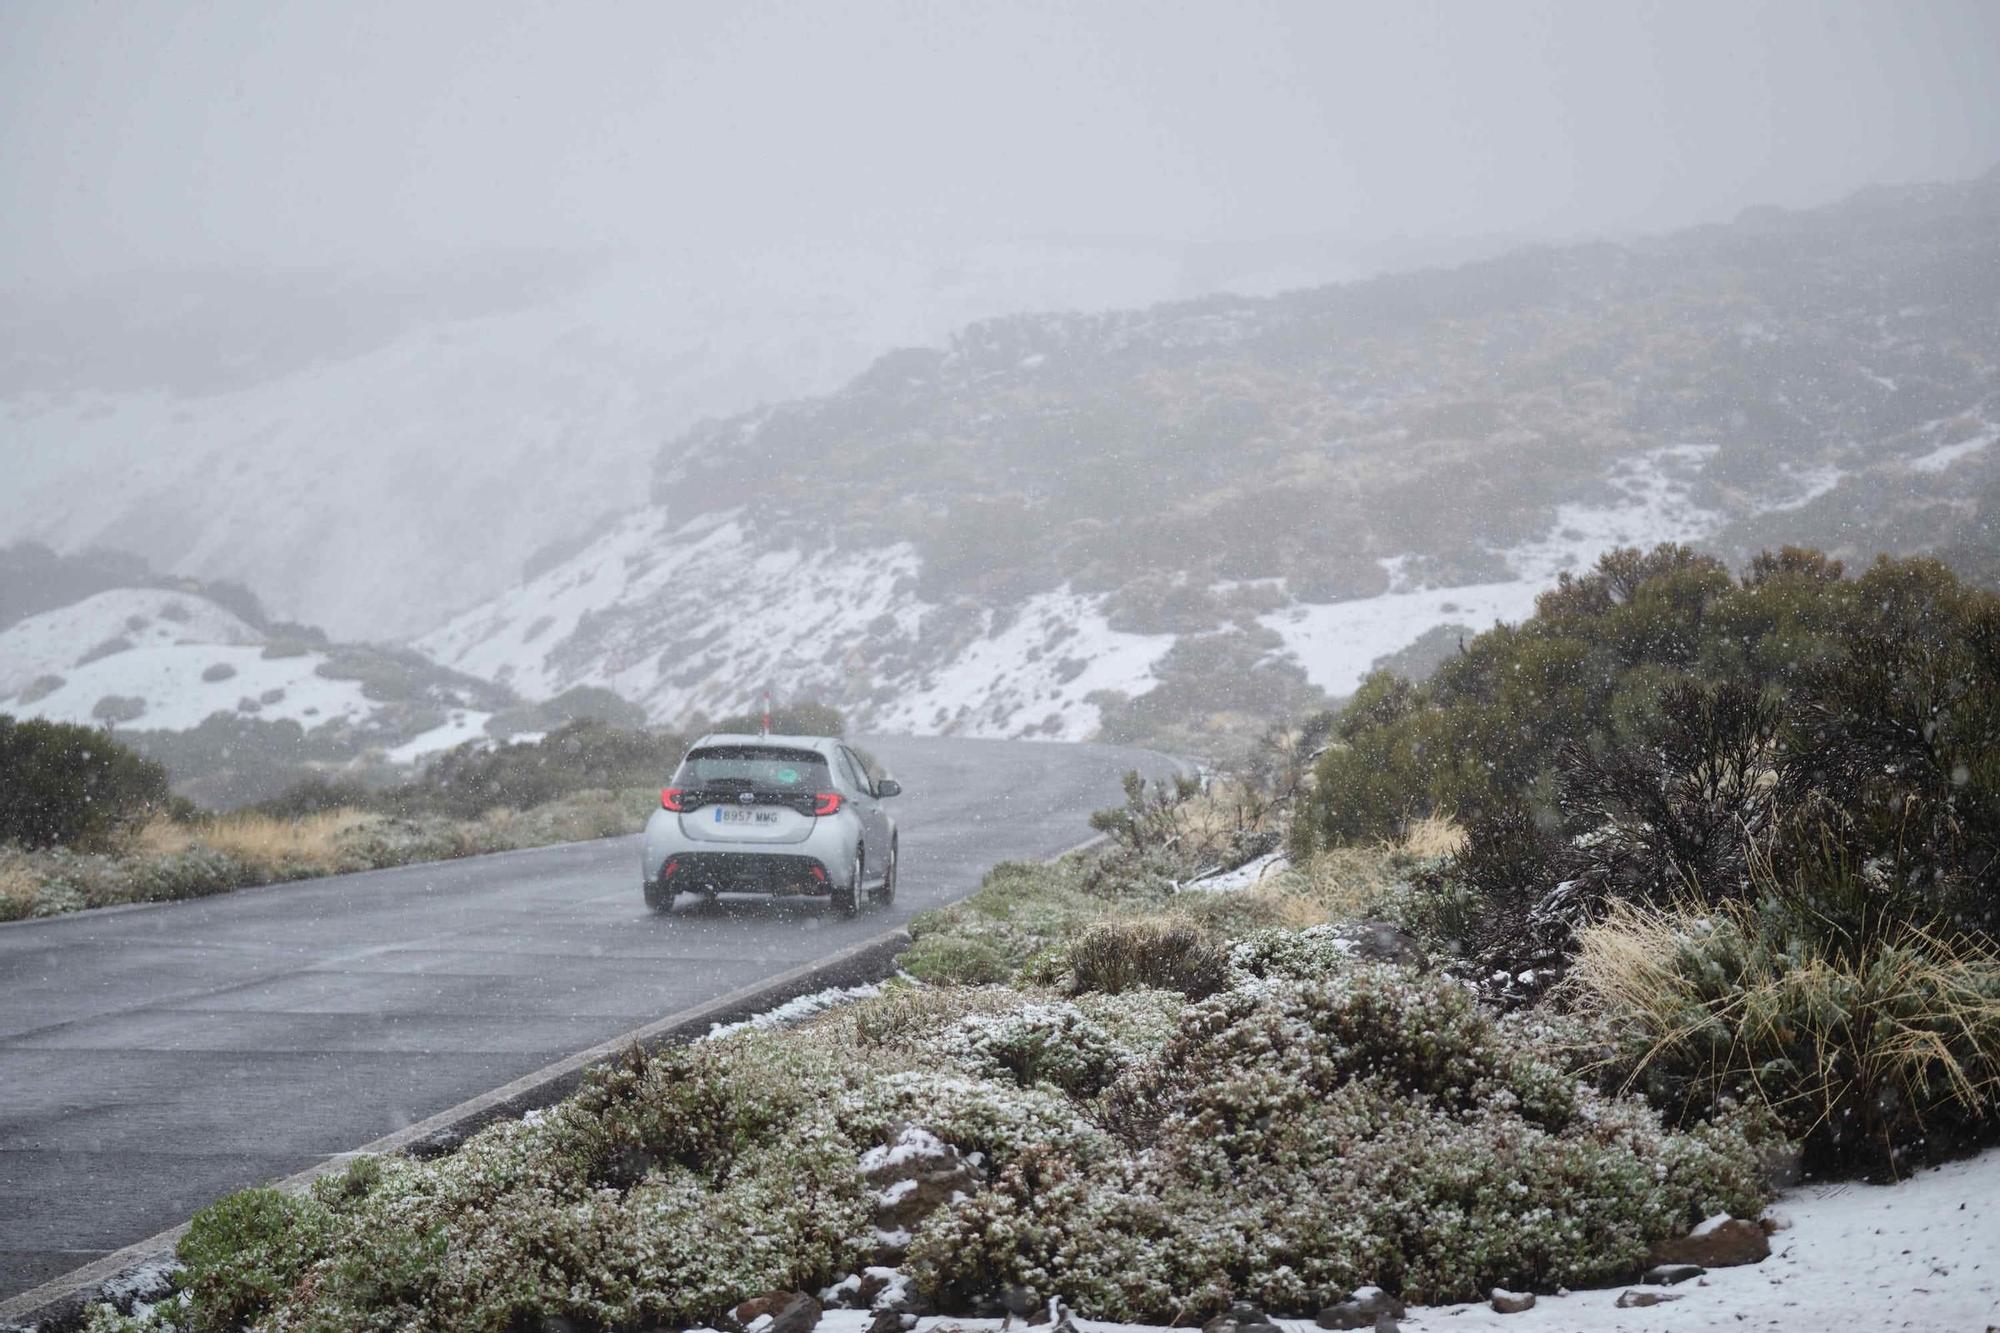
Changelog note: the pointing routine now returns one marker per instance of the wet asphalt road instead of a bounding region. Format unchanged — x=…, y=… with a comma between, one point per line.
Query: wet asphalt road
x=154, y=1059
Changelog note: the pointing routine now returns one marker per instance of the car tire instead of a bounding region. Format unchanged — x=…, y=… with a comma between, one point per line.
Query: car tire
x=847, y=897
x=886, y=895
x=660, y=900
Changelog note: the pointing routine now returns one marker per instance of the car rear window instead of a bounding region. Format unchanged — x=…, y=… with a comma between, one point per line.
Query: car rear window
x=755, y=768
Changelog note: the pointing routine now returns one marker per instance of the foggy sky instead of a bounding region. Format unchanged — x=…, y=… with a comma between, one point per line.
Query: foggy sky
x=146, y=132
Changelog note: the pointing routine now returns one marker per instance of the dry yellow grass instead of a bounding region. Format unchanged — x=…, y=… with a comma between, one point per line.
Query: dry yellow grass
x=19, y=891
x=1342, y=882
x=1433, y=835
x=257, y=839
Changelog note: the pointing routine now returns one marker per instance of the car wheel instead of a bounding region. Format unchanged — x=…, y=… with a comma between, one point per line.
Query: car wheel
x=886, y=895
x=847, y=897
x=659, y=899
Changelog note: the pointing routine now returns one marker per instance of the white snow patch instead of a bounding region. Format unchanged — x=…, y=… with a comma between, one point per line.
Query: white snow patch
x=463, y=725
x=52, y=642
x=913, y=1143
x=1920, y=1254
x=798, y=1010
x=1338, y=643
x=1032, y=678
x=168, y=679
x=1243, y=877
x=1811, y=482
x=1942, y=457
x=687, y=618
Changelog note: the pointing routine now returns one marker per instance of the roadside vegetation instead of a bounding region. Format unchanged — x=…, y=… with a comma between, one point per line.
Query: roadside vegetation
x=1631, y=916
x=1151, y=1098
x=86, y=822
x=1760, y=814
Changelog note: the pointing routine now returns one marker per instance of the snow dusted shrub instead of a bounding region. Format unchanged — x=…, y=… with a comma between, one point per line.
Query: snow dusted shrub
x=1295, y=1139
x=1048, y=1225
x=1298, y=955
x=1036, y=1043
x=995, y=1121
x=667, y=1189
x=1022, y=910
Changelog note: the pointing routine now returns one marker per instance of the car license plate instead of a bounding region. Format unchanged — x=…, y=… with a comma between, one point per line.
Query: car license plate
x=746, y=818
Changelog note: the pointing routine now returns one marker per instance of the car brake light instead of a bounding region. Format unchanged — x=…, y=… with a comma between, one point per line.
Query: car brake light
x=670, y=799
x=672, y=866
x=827, y=803
x=819, y=874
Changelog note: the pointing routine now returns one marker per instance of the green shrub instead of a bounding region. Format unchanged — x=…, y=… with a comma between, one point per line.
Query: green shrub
x=1655, y=728
x=72, y=786
x=243, y=1254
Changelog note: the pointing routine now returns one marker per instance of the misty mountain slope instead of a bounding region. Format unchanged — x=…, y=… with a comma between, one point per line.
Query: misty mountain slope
x=1209, y=509
x=374, y=456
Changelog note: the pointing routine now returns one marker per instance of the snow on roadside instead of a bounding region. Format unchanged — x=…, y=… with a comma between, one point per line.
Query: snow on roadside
x=798, y=1010
x=1243, y=877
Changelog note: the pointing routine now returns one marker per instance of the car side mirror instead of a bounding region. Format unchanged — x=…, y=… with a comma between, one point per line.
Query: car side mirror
x=888, y=787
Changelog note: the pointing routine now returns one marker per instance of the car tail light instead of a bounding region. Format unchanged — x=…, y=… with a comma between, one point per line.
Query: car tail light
x=819, y=873
x=667, y=871
x=827, y=803
x=670, y=799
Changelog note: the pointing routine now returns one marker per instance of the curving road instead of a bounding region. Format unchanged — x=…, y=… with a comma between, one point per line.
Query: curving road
x=153, y=1059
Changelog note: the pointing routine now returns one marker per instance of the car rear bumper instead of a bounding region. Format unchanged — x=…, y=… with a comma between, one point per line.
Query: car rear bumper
x=744, y=872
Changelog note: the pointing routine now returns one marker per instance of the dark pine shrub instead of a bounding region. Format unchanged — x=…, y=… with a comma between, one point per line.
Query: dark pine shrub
x=72, y=786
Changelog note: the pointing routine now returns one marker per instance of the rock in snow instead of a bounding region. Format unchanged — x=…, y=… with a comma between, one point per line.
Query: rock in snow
x=1720, y=1242
x=1366, y=1308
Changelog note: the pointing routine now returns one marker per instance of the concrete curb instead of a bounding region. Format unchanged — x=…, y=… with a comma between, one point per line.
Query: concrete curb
x=139, y=1270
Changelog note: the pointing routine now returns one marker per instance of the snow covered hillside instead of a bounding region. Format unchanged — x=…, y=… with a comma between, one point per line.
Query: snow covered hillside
x=161, y=660
x=698, y=617
x=373, y=455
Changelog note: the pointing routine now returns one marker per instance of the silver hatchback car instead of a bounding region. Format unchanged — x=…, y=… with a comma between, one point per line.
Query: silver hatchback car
x=772, y=814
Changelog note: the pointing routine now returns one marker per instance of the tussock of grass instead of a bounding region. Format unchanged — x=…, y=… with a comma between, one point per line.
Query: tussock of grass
x=1147, y=953
x=1431, y=836
x=1874, y=1056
